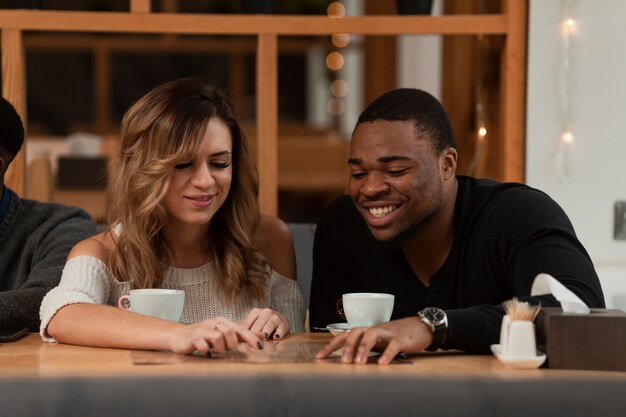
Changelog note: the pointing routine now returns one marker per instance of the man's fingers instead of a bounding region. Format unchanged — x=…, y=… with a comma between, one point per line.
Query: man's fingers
x=332, y=346
x=393, y=348
x=370, y=339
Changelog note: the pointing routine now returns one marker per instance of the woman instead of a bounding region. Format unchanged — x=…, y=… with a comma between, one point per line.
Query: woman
x=183, y=214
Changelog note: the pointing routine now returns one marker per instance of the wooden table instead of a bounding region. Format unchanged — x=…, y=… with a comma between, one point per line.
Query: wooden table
x=38, y=379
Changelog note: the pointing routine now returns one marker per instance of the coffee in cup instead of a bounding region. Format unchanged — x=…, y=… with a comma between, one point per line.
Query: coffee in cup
x=366, y=309
x=157, y=302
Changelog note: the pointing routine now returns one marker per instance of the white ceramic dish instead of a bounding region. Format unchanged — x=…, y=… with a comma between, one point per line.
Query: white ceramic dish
x=519, y=362
x=337, y=328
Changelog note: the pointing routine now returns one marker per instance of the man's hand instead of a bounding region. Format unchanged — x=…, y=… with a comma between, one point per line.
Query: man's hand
x=408, y=335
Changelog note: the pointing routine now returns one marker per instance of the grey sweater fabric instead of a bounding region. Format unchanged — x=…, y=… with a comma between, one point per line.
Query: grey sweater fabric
x=36, y=239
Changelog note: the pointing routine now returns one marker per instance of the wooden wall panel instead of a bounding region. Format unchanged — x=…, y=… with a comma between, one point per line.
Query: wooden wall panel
x=509, y=25
x=267, y=121
x=14, y=90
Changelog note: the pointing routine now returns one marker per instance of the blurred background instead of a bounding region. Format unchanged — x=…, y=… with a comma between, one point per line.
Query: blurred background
x=80, y=84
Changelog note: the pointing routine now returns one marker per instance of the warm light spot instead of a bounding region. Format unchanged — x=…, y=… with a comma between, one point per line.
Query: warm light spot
x=340, y=40
x=567, y=137
x=334, y=61
x=339, y=88
x=336, y=10
x=570, y=22
x=569, y=25
x=482, y=132
x=335, y=106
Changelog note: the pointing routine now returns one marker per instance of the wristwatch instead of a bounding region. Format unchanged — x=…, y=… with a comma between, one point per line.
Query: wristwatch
x=437, y=321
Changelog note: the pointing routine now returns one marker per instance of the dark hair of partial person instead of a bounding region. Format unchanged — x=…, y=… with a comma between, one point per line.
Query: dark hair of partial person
x=11, y=132
x=164, y=128
x=430, y=118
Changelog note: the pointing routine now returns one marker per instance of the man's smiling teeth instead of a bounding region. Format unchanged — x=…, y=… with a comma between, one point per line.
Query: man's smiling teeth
x=381, y=211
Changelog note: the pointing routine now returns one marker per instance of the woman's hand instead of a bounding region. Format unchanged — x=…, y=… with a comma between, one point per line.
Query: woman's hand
x=267, y=321
x=215, y=335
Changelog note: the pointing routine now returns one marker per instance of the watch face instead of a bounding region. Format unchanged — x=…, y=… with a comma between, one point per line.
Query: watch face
x=435, y=315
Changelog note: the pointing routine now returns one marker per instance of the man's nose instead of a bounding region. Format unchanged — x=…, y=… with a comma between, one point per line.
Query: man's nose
x=374, y=185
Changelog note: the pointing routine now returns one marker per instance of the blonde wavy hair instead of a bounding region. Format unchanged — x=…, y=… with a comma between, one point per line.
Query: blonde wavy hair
x=162, y=129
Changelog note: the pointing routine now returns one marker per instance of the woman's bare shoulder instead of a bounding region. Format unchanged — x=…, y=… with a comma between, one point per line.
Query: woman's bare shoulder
x=99, y=246
x=273, y=228
x=275, y=242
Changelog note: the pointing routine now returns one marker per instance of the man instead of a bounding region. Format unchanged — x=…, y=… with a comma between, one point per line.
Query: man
x=450, y=248
x=35, y=238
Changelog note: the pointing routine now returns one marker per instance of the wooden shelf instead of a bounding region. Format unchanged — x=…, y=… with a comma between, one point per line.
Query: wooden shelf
x=511, y=24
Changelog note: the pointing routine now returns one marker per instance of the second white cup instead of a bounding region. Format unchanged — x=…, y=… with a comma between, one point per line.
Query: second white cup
x=366, y=309
x=157, y=302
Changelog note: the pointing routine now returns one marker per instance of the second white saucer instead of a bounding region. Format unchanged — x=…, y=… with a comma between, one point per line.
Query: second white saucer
x=337, y=328
x=521, y=362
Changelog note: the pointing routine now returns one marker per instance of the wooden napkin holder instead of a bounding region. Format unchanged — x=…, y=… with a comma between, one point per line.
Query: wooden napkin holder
x=594, y=341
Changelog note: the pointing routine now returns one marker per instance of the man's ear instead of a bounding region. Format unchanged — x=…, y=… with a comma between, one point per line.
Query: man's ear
x=448, y=162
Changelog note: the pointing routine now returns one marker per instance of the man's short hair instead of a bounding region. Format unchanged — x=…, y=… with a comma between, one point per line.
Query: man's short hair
x=11, y=130
x=402, y=104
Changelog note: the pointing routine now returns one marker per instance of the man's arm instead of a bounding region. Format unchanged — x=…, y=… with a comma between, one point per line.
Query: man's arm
x=42, y=266
x=534, y=236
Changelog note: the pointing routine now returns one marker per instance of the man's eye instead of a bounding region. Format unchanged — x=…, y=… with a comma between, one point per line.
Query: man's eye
x=357, y=175
x=397, y=171
x=183, y=166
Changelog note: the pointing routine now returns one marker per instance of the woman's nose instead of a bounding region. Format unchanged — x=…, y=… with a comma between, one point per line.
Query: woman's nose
x=202, y=177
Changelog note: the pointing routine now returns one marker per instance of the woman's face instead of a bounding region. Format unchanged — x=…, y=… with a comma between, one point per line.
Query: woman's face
x=199, y=187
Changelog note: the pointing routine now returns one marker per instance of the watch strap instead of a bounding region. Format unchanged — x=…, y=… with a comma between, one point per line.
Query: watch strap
x=439, y=328
x=439, y=333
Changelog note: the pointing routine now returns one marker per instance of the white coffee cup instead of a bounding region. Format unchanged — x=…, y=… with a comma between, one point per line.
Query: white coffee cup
x=366, y=309
x=517, y=338
x=157, y=302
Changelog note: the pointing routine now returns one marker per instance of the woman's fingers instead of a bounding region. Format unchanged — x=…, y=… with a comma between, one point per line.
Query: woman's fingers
x=217, y=336
x=282, y=329
x=269, y=322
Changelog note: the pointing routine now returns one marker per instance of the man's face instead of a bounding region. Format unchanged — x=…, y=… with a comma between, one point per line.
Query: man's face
x=395, y=179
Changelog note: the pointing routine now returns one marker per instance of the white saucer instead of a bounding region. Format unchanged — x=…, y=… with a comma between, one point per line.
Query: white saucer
x=519, y=362
x=337, y=328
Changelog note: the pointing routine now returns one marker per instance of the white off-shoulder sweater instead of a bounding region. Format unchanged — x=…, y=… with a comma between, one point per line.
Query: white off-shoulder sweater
x=87, y=279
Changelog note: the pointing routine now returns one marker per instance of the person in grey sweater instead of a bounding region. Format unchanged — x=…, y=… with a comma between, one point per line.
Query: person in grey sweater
x=35, y=237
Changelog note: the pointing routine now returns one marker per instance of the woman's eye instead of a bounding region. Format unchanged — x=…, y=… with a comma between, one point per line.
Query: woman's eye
x=220, y=165
x=183, y=166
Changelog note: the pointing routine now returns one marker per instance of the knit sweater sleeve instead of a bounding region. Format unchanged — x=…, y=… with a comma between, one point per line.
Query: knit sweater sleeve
x=85, y=279
x=36, y=239
x=287, y=299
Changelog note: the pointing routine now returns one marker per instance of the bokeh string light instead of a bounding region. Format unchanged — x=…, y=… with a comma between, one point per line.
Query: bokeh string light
x=335, y=61
x=479, y=107
x=566, y=139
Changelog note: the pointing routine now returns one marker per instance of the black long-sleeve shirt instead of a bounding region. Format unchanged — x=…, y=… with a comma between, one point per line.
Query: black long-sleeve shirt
x=504, y=235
